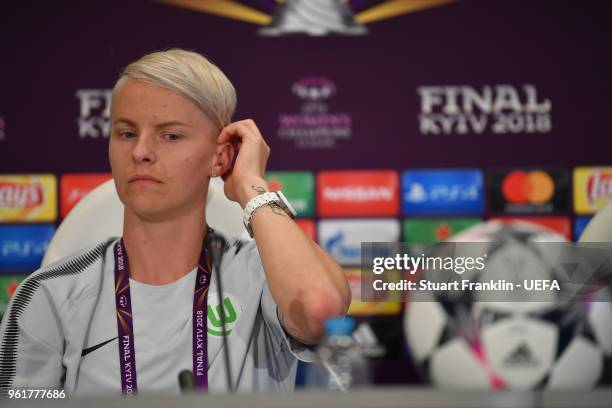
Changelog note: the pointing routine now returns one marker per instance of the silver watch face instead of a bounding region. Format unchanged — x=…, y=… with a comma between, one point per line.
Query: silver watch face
x=286, y=203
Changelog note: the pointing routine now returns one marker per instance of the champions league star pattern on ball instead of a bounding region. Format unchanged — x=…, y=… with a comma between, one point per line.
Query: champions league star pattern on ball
x=465, y=343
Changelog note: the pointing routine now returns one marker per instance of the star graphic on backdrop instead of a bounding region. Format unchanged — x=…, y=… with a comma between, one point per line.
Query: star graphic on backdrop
x=243, y=11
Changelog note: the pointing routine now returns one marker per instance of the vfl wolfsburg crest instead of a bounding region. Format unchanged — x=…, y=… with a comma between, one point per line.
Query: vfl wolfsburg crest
x=230, y=308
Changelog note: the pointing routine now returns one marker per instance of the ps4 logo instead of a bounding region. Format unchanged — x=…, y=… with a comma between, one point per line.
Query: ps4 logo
x=449, y=193
x=442, y=191
x=23, y=249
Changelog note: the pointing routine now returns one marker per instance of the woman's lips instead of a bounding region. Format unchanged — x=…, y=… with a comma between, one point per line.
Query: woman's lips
x=142, y=179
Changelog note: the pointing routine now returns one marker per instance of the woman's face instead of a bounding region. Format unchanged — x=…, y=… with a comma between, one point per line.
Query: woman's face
x=158, y=134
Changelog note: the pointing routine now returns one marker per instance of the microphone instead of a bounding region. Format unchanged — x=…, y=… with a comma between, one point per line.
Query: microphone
x=216, y=244
x=186, y=381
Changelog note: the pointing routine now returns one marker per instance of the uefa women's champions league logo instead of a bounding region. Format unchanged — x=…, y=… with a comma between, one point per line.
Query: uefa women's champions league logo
x=314, y=127
x=123, y=301
x=310, y=17
x=203, y=279
x=313, y=88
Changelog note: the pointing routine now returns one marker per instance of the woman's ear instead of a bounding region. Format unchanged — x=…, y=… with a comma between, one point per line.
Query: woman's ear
x=223, y=160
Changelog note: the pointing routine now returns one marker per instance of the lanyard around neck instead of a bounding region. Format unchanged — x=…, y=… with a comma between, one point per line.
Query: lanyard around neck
x=125, y=328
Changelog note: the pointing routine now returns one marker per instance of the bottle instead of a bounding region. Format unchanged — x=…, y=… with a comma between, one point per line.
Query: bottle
x=341, y=364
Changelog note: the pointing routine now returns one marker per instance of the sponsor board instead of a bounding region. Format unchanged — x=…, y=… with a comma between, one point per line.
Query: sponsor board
x=528, y=191
x=580, y=224
x=342, y=238
x=309, y=228
x=560, y=225
x=298, y=187
x=500, y=109
x=22, y=247
x=442, y=192
x=8, y=286
x=73, y=187
x=358, y=193
x=592, y=189
x=433, y=230
x=28, y=198
x=388, y=304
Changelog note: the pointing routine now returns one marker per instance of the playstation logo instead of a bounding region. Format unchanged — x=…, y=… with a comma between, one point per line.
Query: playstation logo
x=416, y=193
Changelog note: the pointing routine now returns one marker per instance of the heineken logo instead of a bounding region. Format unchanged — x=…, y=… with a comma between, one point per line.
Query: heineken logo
x=229, y=310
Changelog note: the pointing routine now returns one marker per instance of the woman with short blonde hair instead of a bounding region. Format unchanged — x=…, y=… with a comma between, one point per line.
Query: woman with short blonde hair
x=131, y=313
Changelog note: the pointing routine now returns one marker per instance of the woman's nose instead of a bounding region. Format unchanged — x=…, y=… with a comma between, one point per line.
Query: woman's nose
x=144, y=149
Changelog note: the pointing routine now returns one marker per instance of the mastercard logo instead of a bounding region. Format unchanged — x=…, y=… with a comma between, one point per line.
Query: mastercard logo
x=533, y=187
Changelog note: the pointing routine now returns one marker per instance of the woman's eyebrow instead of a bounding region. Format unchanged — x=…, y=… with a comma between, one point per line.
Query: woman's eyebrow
x=158, y=126
x=124, y=120
x=171, y=123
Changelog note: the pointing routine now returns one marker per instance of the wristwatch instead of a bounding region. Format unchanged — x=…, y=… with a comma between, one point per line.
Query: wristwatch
x=276, y=198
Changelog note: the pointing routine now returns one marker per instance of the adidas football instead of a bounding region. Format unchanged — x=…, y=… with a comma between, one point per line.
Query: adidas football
x=478, y=344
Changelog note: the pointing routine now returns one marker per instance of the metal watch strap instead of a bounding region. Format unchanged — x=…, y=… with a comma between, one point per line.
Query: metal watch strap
x=265, y=199
x=253, y=204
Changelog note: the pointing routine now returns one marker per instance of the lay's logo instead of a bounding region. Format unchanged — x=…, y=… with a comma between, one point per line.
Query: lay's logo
x=592, y=189
x=21, y=195
x=599, y=187
x=28, y=198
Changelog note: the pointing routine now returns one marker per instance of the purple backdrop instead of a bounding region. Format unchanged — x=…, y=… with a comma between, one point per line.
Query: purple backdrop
x=53, y=49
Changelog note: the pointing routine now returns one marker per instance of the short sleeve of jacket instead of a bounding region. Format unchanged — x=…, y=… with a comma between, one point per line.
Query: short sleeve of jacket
x=284, y=342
